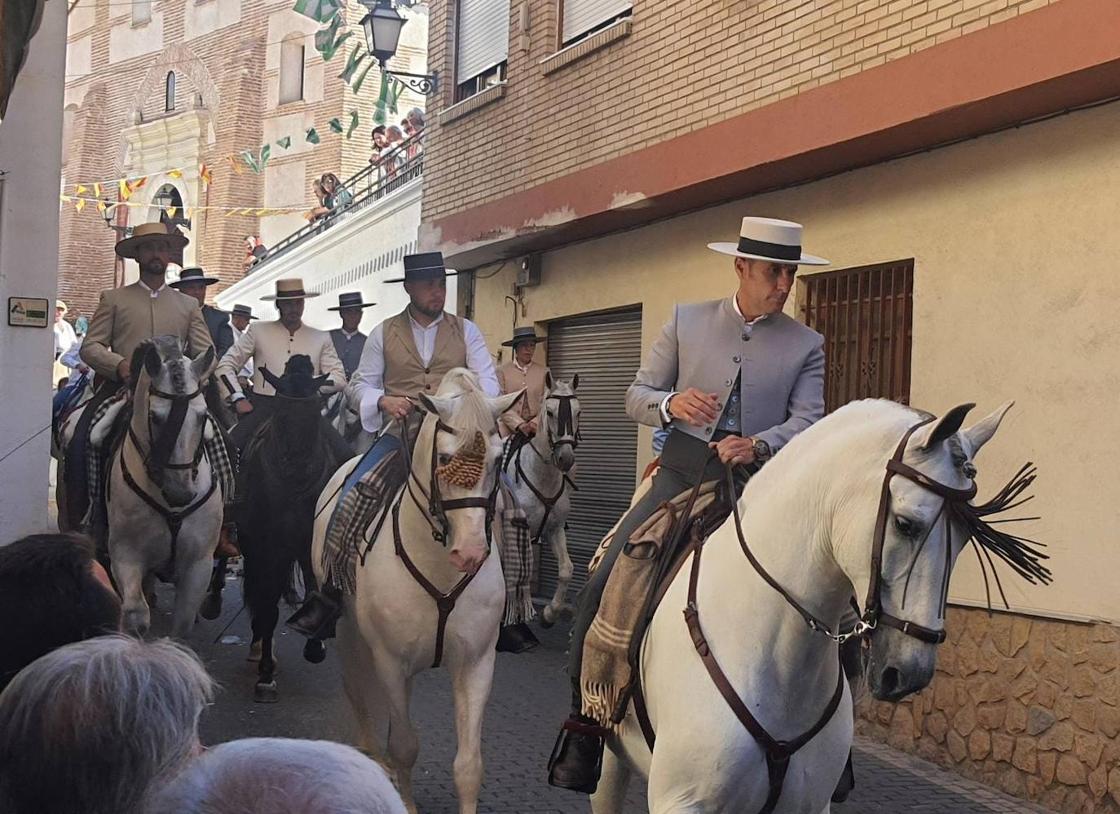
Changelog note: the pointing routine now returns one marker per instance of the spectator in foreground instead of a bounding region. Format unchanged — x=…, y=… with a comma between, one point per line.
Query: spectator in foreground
x=52, y=592
x=89, y=727
x=279, y=776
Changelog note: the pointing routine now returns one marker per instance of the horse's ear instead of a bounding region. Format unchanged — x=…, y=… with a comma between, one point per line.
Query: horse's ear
x=435, y=404
x=946, y=427
x=548, y=379
x=270, y=377
x=202, y=366
x=506, y=402
x=575, y=381
x=982, y=431
x=152, y=362
x=319, y=381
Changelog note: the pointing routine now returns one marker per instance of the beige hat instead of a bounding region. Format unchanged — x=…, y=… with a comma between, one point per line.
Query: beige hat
x=128, y=246
x=62, y=305
x=290, y=289
x=778, y=241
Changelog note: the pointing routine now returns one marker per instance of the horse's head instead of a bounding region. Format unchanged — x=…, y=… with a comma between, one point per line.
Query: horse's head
x=560, y=419
x=298, y=381
x=459, y=445
x=911, y=515
x=169, y=414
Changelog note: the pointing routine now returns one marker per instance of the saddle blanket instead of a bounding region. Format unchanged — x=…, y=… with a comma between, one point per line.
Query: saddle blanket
x=101, y=438
x=607, y=673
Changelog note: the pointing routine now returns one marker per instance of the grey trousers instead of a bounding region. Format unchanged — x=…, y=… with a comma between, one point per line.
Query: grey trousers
x=682, y=463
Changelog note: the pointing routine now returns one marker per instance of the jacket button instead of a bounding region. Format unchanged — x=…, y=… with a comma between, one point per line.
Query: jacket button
x=736, y=359
x=427, y=387
x=709, y=429
x=427, y=370
x=727, y=382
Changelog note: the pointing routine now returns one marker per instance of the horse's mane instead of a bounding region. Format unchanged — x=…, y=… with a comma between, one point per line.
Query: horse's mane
x=471, y=412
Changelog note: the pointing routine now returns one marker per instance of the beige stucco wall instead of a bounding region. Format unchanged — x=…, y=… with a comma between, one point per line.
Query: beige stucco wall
x=1015, y=242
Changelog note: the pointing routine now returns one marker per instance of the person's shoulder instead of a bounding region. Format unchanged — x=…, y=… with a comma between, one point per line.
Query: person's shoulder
x=703, y=310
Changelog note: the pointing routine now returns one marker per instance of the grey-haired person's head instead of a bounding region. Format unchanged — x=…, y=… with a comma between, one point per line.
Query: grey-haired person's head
x=279, y=776
x=89, y=726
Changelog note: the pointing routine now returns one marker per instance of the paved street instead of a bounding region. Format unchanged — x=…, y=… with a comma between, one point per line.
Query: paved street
x=527, y=704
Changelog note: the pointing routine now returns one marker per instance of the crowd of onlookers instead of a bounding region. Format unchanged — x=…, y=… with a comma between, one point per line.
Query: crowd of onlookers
x=395, y=145
x=96, y=722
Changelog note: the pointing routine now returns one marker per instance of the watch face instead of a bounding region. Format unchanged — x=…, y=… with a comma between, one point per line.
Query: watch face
x=761, y=450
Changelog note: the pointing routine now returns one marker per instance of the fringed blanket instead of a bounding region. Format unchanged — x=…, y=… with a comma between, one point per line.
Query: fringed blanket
x=514, y=548
x=347, y=541
x=607, y=674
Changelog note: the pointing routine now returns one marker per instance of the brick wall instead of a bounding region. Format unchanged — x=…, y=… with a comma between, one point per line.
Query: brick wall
x=227, y=67
x=685, y=65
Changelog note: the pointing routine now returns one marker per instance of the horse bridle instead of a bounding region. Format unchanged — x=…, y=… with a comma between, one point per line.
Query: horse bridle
x=567, y=432
x=436, y=506
x=873, y=614
x=156, y=459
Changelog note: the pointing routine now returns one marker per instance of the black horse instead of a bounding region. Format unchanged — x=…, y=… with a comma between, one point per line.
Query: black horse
x=283, y=469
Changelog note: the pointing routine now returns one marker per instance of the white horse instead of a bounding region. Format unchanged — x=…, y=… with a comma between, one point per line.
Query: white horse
x=165, y=504
x=809, y=518
x=539, y=472
x=392, y=628
x=342, y=412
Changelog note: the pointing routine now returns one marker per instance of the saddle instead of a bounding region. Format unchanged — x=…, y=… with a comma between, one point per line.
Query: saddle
x=640, y=577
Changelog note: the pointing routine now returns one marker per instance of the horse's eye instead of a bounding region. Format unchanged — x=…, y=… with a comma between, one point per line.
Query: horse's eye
x=550, y=411
x=906, y=527
x=443, y=458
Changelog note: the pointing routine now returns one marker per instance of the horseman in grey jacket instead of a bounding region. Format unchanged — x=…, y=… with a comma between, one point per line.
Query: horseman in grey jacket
x=733, y=380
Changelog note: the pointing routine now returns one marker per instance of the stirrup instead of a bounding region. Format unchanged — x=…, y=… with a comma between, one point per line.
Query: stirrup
x=575, y=728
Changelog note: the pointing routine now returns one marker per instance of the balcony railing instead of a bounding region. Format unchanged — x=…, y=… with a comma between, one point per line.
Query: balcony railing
x=392, y=170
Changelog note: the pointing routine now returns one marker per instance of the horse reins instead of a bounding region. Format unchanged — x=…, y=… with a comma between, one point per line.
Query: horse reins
x=437, y=509
x=565, y=421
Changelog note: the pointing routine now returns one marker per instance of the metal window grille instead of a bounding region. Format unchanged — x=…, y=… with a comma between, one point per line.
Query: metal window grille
x=866, y=317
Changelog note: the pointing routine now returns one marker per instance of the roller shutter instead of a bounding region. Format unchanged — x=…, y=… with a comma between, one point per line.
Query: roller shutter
x=483, y=37
x=605, y=350
x=581, y=16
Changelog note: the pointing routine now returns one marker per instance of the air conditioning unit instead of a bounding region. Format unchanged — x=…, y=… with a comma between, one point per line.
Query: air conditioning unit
x=529, y=272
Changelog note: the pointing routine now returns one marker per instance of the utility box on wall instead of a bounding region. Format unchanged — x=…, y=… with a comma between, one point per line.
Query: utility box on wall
x=529, y=273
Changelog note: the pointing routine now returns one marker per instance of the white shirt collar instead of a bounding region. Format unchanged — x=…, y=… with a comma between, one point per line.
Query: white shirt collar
x=348, y=334
x=735, y=305
x=153, y=292
x=517, y=364
x=416, y=324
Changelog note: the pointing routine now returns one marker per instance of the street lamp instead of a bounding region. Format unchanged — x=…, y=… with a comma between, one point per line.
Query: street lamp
x=108, y=213
x=383, y=26
x=165, y=198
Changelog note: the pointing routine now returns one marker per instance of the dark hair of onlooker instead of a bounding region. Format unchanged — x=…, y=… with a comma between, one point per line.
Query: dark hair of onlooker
x=379, y=129
x=49, y=596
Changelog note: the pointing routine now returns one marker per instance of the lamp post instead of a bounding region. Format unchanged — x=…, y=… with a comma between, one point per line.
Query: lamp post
x=164, y=200
x=382, y=26
x=108, y=214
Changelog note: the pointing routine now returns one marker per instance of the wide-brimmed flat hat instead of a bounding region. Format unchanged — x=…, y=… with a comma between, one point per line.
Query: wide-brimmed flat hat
x=424, y=266
x=193, y=274
x=526, y=334
x=244, y=311
x=290, y=289
x=147, y=231
x=351, y=299
x=778, y=241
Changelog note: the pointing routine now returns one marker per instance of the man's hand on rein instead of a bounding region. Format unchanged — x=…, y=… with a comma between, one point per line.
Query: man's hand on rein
x=395, y=406
x=734, y=450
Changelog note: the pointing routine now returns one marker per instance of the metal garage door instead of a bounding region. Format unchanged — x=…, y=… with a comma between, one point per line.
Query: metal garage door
x=605, y=350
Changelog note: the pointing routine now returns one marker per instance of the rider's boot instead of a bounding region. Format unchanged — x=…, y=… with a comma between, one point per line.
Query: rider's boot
x=317, y=616
x=516, y=639
x=577, y=758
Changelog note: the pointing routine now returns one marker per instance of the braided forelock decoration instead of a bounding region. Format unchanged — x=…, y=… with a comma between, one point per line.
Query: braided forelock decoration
x=1021, y=554
x=472, y=421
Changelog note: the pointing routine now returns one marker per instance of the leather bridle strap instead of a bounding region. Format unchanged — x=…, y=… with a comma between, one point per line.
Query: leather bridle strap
x=445, y=602
x=777, y=752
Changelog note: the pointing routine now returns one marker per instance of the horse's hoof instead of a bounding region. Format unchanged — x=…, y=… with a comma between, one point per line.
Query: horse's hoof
x=211, y=607
x=314, y=651
x=548, y=619
x=266, y=693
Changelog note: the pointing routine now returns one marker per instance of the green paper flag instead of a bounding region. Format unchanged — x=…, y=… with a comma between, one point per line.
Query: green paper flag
x=251, y=161
x=265, y=154
x=313, y=136
x=357, y=86
x=386, y=100
x=328, y=40
x=318, y=10
x=353, y=123
x=285, y=142
x=335, y=125
x=352, y=62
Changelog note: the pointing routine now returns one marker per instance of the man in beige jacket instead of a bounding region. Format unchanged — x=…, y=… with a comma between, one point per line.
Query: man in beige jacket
x=124, y=318
x=522, y=373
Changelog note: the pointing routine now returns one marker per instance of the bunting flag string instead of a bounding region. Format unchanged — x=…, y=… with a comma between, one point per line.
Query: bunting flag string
x=189, y=211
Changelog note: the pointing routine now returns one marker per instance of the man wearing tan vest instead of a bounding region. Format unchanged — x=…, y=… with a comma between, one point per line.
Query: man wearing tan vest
x=406, y=355
x=522, y=373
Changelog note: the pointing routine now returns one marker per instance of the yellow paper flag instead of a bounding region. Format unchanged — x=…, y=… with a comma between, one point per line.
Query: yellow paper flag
x=81, y=190
x=97, y=190
x=234, y=164
x=81, y=204
x=175, y=174
x=125, y=189
x=171, y=210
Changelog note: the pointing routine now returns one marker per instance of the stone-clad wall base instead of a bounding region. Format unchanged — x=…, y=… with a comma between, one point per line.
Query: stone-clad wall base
x=1023, y=704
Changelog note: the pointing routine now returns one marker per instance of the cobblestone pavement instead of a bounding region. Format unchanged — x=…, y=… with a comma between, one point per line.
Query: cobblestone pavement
x=526, y=707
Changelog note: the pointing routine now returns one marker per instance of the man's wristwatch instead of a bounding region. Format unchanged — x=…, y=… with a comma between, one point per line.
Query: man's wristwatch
x=762, y=451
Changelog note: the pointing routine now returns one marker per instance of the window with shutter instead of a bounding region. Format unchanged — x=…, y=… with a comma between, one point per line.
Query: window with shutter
x=482, y=45
x=582, y=17
x=141, y=11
